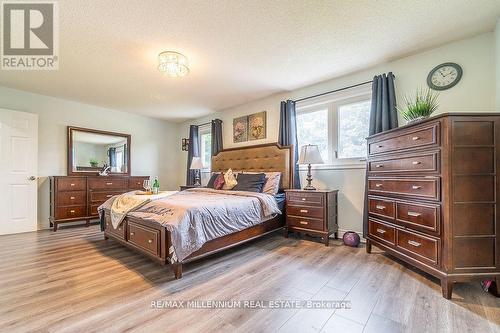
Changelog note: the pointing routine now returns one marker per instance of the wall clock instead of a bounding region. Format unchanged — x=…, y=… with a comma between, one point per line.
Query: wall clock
x=444, y=76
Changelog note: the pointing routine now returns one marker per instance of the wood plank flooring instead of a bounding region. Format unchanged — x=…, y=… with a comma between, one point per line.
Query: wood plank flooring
x=75, y=281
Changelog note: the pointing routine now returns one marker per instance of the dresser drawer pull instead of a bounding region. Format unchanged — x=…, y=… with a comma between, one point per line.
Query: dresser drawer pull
x=416, y=162
x=378, y=185
x=415, y=138
x=71, y=198
x=381, y=231
x=414, y=214
x=303, y=222
x=413, y=243
x=150, y=241
x=304, y=199
x=132, y=233
x=72, y=211
x=380, y=207
x=109, y=196
x=72, y=184
x=109, y=183
x=304, y=211
x=379, y=165
x=416, y=187
x=138, y=183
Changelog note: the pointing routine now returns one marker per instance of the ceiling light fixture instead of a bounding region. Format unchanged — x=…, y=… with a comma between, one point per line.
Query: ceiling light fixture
x=173, y=64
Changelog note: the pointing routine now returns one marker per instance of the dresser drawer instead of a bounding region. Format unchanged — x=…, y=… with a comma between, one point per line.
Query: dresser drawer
x=144, y=237
x=379, y=207
x=103, y=196
x=305, y=223
x=427, y=188
x=419, y=217
x=411, y=139
x=71, y=184
x=71, y=198
x=107, y=183
x=408, y=163
x=305, y=211
x=381, y=231
x=71, y=212
x=135, y=183
x=301, y=198
x=118, y=232
x=418, y=246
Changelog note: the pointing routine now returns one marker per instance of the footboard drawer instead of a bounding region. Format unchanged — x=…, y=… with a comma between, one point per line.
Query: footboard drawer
x=145, y=238
x=118, y=232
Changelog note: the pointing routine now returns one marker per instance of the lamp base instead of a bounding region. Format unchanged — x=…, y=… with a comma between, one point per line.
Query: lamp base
x=309, y=179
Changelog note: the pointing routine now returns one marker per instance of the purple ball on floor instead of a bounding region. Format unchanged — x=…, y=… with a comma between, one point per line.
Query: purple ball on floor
x=351, y=238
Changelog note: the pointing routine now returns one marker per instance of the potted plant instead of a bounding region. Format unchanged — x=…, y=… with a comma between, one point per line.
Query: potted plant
x=93, y=163
x=424, y=104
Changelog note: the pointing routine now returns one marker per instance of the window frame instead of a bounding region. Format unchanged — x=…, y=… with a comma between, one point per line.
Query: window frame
x=332, y=103
x=203, y=130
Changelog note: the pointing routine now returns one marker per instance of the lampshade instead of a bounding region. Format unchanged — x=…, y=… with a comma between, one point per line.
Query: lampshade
x=309, y=154
x=173, y=64
x=196, y=164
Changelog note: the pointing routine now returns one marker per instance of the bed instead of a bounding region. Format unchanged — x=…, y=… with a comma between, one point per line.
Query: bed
x=160, y=242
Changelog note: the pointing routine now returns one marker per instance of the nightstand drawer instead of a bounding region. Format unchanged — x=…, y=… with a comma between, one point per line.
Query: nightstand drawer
x=305, y=223
x=305, y=211
x=301, y=198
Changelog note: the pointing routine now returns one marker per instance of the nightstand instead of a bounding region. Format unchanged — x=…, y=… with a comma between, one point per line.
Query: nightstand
x=312, y=212
x=185, y=187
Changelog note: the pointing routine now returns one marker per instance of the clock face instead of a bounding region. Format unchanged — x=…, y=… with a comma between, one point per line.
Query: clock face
x=444, y=76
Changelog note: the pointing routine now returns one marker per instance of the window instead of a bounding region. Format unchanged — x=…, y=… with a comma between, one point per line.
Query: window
x=206, y=146
x=338, y=124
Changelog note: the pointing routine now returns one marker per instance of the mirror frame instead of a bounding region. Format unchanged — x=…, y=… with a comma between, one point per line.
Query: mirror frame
x=70, y=171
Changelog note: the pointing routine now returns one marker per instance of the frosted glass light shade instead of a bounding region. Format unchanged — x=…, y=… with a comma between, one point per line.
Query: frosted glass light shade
x=196, y=164
x=173, y=64
x=309, y=154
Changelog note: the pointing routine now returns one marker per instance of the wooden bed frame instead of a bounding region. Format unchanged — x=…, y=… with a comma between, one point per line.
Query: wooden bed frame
x=154, y=240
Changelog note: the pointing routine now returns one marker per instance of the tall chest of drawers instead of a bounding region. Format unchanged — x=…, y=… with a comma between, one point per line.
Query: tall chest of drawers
x=76, y=198
x=433, y=196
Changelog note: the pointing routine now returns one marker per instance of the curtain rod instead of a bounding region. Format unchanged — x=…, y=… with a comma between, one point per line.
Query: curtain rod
x=336, y=90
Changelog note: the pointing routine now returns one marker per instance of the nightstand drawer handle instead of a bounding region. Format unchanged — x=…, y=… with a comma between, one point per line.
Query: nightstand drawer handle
x=415, y=138
x=109, y=183
x=414, y=214
x=380, y=207
x=71, y=198
x=72, y=211
x=381, y=231
x=304, y=222
x=379, y=165
x=416, y=162
x=71, y=184
x=304, y=211
x=109, y=196
x=378, y=185
x=416, y=187
x=150, y=241
x=416, y=244
x=132, y=233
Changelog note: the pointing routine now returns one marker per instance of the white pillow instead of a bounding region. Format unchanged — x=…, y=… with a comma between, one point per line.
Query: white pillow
x=229, y=180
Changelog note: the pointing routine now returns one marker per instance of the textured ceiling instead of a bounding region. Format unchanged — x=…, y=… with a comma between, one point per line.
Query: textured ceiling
x=238, y=50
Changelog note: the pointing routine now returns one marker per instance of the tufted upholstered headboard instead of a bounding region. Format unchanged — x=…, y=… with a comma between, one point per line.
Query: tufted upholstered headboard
x=259, y=158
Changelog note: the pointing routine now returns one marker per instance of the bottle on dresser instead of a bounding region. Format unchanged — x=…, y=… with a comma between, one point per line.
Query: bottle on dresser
x=156, y=186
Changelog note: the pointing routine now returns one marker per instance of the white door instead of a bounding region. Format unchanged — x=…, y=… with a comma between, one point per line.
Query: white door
x=18, y=171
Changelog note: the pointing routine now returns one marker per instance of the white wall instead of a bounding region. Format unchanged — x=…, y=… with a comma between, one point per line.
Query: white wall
x=154, y=142
x=475, y=92
x=497, y=56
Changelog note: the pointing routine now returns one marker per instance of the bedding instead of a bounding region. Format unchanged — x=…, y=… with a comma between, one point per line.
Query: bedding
x=196, y=216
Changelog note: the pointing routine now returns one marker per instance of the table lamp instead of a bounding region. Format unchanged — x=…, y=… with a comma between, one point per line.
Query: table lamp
x=196, y=165
x=309, y=154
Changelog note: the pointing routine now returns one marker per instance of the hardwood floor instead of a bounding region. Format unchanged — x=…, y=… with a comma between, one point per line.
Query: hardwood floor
x=74, y=281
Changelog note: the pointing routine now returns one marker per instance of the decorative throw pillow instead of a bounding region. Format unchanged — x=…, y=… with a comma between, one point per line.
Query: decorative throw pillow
x=214, y=176
x=229, y=180
x=250, y=182
x=219, y=182
x=272, y=184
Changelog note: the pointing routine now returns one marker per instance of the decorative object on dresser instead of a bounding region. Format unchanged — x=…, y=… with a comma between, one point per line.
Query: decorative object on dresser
x=420, y=108
x=76, y=198
x=312, y=212
x=309, y=154
x=433, y=196
x=196, y=165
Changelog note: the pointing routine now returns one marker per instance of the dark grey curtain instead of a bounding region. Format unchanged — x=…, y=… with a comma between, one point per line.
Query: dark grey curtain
x=288, y=134
x=112, y=157
x=125, y=158
x=383, y=117
x=216, y=136
x=193, y=151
